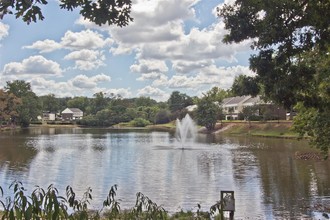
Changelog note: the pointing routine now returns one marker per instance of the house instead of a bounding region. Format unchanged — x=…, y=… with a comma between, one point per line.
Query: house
x=72, y=114
x=233, y=106
x=48, y=116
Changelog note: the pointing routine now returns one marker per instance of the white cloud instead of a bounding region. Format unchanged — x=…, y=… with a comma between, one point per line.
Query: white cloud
x=86, y=59
x=4, y=28
x=122, y=92
x=154, y=93
x=45, y=46
x=80, y=85
x=150, y=76
x=34, y=65
x=167, y=46
x=206, y=77
x=85, y=82
x=86, y=39
x=149, y=66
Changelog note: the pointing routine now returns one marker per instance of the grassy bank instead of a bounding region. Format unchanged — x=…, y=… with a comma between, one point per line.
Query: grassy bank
x=280, y=129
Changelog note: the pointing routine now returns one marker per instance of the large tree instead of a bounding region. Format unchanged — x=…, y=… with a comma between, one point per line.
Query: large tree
x=50, y=103
x=178, y=101
x=207, y=112
x=284, y=33
x=100, y=12
x=8, y=107
x=245, y=85
x=30, y=107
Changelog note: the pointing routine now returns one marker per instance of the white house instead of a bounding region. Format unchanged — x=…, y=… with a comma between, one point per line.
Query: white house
x=234, y=105
x=72, y=114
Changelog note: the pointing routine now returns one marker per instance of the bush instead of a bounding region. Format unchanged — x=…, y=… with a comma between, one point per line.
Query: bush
x=162, y=117
x=140, y=122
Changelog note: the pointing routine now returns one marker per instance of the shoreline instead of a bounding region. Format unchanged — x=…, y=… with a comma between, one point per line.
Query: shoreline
x=272, y=129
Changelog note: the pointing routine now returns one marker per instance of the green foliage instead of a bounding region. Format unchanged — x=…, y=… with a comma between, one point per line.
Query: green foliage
x=250, y=111
x=8, y=107
x=144, y=101
x=140, y=122
x=100, y=12
x=163, y=117
x=48, y=204
x=207, y=112
x=217, y=94
x=178, y=101
x=292, y=63
x=30, y=107
x=79, y=102
x=245, y=85
x=49, y=103
x=315, y=124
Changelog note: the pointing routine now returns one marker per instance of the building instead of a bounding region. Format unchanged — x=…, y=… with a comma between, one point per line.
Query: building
x=48, y=116
x=72, y=114
x=233, y=106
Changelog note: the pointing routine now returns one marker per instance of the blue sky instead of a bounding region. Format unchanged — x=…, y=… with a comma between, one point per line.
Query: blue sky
x=171, y=46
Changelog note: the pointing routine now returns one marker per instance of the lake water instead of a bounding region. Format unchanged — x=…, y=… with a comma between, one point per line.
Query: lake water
x=269, y=183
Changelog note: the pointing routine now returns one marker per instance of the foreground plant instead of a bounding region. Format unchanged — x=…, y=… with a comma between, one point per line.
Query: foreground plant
x=49, y=204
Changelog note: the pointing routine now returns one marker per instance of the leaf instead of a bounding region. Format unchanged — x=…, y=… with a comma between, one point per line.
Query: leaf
x=28, y=213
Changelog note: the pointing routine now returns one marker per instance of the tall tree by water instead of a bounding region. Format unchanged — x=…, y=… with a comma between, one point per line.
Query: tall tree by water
x=111, y=12
x=207, y=112
x=285, y=33
x=30, y=107
x=179, y=101
x=8, y=107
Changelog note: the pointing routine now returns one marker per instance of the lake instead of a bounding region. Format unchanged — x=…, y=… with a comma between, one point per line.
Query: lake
x=268, y=181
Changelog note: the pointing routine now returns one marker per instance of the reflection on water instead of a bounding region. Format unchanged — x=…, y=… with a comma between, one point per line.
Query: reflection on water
x=267, y=179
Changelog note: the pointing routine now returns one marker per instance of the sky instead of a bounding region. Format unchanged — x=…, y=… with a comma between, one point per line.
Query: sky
x=171, y=46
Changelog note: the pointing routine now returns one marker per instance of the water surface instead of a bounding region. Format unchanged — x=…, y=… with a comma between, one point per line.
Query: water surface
x=267, y=179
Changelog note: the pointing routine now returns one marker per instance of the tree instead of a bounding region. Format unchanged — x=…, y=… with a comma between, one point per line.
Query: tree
x=249, y=111
x=217, y=94
x=281, y=30
x=99, y=102
x=144, y=101
x=207, y=112
x=30, y=108
x=79, y=102
x=313, y=109
x=245, y=85
x=179, y=101
x=49, y=103
x=8, y=107
x=285, y=33
x=113, y=12
x=162, y=116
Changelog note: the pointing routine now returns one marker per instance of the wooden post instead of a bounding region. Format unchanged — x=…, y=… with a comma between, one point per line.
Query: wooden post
x=228, y=203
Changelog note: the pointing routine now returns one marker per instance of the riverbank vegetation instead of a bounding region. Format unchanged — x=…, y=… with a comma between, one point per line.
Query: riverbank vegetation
x=277, y=129
x=49, y=204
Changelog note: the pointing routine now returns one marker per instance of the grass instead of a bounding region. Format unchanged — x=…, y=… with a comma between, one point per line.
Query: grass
x=265, y=129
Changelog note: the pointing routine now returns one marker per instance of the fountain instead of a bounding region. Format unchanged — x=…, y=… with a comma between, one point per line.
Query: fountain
x=186, y=131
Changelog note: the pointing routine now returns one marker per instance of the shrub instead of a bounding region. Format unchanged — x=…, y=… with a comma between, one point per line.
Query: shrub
x=162, y=117
x=140, y=122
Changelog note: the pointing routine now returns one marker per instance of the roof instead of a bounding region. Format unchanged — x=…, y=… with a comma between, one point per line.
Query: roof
x=72, y=110
x=235, y=100
x=244, y=100
x=75, y=109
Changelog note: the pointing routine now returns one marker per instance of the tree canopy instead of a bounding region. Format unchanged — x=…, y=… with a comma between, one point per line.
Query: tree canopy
x=30, y=107
x=111, y=12
x=207, y=112
x=286, y=33
x=245, y=85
